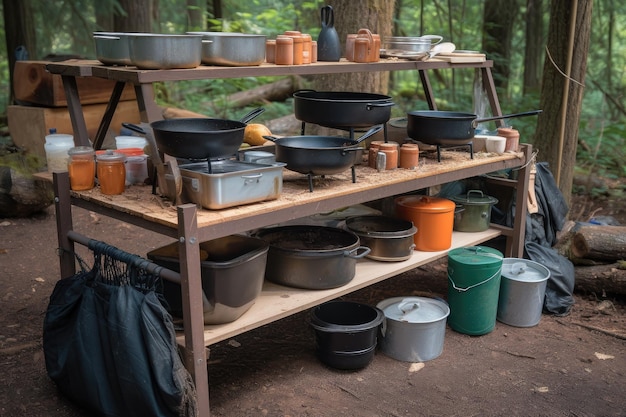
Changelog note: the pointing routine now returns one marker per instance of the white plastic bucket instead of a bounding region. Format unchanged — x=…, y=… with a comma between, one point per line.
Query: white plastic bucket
x=56, y=147
x=522, y=292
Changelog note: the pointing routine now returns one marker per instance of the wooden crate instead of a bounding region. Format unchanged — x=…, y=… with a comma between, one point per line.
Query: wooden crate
x=33, y=84
x=28, y=126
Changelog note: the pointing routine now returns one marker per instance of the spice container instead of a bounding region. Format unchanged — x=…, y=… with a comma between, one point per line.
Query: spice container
x=373, y=151
x=111, y=172
x=313, y=52
x=409, y=155
x=270, y=51
x=512, y=138
x=361, y=50
x=284, y=50
x=136, y=165
x=298, y=49
x=390, y=149
x=350, y=38
x=56, y=147
x=306, y=48
x=82, y=168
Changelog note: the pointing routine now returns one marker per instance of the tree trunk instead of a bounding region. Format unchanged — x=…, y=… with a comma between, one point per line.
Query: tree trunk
x=195, y=15
x=19, y=33
x=350, y=16
x=138, y=16
x=497, y=37
x=602, y=243
x=557, y=128
x=534, y=37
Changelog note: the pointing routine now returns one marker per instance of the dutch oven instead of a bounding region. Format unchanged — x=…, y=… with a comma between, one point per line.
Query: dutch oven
x=433, y=217
x=201, y=138
x=342, y=109
x=311, y=257
x=435, y=127
x=319, y=155
x=389, y=238
x=475, y=215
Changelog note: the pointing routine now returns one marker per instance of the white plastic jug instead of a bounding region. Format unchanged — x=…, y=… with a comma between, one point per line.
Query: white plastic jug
x=56, y=147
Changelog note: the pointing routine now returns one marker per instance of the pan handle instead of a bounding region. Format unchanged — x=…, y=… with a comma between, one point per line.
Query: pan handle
x=254, y=113
x=506, y=116
x=369, y=133
x=369, y=106
x=134, y=128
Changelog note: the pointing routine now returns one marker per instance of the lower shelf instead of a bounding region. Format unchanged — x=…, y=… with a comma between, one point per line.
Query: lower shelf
x=277, y=301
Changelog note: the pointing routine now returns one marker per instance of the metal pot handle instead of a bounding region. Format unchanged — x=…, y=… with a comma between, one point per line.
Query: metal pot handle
x=254, y=113
x=369, y=106
x=354, y=253
x=475, y=192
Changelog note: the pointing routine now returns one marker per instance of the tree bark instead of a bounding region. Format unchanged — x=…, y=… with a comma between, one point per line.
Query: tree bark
x=138, y=16
x=601, y=243
x=561, y=96
x=601, y=279
x=19, y=33
x=195, y=15
x=497, y=37
x=534, y=37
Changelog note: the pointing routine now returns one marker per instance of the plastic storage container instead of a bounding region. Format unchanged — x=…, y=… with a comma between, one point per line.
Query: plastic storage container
x=56, y=147
x=136, y=165
x=232, y=270
x=82, y=168
x=124, y=142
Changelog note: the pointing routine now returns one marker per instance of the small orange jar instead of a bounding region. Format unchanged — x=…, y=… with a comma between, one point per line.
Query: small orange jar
x=306, y=48
x=284, y=50
x=373, y=151
x=409, y=155
x=82, y=168
x=270, y=51
x=390, y=149
x=512, y=138
x=111, y=172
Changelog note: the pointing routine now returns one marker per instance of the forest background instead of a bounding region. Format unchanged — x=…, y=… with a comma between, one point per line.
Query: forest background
x=513, y=33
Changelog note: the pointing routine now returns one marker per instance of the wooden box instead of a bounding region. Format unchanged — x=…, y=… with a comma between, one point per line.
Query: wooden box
x=28, y=126
x=33, y=84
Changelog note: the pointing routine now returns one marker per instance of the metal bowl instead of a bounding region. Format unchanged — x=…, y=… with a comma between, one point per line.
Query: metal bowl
x=414, y=44
x=164, y=51
x=232, y=49
x=112, y=48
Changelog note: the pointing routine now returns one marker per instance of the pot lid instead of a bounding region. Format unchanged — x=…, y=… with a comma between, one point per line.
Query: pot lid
x=425, y=203
x=524, y=270
x=415, y=309
x=476, y=255
x=474, y=197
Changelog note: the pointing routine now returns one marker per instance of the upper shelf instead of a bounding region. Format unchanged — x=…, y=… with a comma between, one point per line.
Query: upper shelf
x=83, y=68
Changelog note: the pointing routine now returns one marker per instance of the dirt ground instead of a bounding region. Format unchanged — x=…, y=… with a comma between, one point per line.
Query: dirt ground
x=565, y=366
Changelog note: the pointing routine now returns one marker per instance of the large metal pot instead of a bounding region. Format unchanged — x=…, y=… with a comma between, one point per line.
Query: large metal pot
x=311, y=257
x=435, y=127
x=475, y=215
x=319, y=155
x=201, y=138
x=112, y=48
x=389, y=238
x=164, y=51
x=232, y=49
x=342, y=109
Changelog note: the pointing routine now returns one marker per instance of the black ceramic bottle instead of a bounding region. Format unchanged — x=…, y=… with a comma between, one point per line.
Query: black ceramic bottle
x=328, y=45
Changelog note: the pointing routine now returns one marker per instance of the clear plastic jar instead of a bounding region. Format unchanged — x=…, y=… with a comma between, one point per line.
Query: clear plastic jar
x=56, y=147
x=111, y=172
x=136, y=165
x=82, y=168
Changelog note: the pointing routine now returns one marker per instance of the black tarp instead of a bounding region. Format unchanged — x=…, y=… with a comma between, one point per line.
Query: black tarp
x=110, y=344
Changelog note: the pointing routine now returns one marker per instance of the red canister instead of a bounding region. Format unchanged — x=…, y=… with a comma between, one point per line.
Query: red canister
x=432, y=216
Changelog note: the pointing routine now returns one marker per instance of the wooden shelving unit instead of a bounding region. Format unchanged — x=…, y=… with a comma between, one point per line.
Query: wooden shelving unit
x=191, y=225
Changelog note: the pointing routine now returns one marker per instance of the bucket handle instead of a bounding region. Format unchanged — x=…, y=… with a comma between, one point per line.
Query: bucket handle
x=354, y=253
x=475, y=285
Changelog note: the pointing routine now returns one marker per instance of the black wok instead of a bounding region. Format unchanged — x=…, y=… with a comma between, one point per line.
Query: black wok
x=201, y=138
x=342, y=109
x=449, y=128
x=319, y=155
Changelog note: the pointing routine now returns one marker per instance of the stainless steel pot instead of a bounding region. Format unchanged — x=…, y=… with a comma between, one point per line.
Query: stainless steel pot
x=311, y=257
x=112, y=48
x=413, y=44
x=232, y=49
x=475, y=215
x=388, y=238
x=164, y=51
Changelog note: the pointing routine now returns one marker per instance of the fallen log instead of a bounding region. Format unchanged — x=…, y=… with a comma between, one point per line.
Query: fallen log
x=603, y=243
x=601, y=279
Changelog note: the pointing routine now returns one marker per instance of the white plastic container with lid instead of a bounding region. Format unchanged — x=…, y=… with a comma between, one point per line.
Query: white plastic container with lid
x=56, y=147
x=125, y=142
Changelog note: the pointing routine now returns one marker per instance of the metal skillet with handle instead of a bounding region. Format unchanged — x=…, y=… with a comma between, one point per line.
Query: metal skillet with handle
x=319, y=155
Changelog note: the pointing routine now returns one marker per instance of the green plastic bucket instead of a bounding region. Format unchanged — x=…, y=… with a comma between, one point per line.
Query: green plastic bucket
x=473, y=289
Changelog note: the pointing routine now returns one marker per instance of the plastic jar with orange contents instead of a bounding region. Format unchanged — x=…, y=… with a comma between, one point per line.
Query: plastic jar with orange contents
x=81, y=168
x=111, y=172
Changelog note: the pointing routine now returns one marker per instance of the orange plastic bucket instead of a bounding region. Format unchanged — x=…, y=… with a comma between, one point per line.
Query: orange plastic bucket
x=432, y=216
